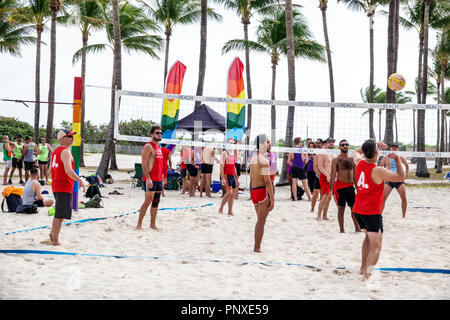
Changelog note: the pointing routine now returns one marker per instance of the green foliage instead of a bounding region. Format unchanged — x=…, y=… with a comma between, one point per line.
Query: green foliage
x=13, y=127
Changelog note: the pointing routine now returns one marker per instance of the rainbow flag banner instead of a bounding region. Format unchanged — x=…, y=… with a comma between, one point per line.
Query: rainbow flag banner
x=235, y=111
x=76, y=126
x=170, y=110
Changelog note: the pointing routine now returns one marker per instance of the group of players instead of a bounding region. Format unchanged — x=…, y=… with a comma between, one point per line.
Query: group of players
x=338, y=173
x=24, y=156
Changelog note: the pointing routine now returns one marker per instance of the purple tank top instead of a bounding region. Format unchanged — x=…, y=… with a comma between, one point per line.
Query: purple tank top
x=310, y=164
x=298, y=161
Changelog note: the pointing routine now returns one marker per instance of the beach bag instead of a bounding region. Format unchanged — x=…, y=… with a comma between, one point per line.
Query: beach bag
x=93, y=190
x=94, y=202
x=12, y=197
x=27, y=208
x=109, y=179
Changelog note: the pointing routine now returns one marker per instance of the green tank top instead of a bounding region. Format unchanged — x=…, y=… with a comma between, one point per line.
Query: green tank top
x=43, y=152
x=6, y=156
x=18, y=150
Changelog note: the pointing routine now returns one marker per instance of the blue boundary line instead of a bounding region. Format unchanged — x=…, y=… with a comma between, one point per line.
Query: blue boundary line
x=422, y=270
x=103, y=218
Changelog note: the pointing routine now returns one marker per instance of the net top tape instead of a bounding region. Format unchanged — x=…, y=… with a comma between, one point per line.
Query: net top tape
x=392, y=106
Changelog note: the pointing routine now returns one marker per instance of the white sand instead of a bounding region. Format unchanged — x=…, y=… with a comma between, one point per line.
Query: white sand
x=292, y=235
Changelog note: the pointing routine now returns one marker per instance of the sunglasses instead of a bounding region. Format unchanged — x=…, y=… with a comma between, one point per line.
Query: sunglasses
x=344, y=145
x=159, y=132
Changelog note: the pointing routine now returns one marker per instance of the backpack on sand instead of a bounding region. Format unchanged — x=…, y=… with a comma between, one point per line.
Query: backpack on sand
x=13, y=198
x=94, y=202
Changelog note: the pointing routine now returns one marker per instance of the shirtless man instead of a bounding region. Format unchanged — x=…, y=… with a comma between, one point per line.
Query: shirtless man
x=389, y=163
x=369, y=199
x=324, y=167
x=152, y=167
x=229, y=178
x=342, y=184
x=261, y=187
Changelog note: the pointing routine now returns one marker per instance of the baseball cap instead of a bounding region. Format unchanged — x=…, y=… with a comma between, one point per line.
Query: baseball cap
x=63, y=133
x=394, y=144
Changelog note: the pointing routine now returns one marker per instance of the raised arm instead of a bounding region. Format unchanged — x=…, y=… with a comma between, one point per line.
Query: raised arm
x=379, y=173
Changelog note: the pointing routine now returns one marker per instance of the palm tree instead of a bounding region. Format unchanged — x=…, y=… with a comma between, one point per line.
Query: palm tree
x=271, y=39
x=203, y=38
x=442, y=56
x=172, y=12
x=13, y=35
x=291, y=84
x=368, y=7
x=129, y=29
x=87, y=15
x=246, y=9
x=323, y=7
x=55, y=6
x=377, y=96
x=35, y=12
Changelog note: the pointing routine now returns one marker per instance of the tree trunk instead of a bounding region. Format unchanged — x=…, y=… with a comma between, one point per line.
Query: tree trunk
x=291, y=85
x=323, y=8
x=166, y=58
x=249, y=86
x=37, y=85
x=390, y=95
x=54, y=7
x=372, y=63
x=273, y=111
x=85, y=37
x=102, y=169
x=443, y=115
x=202, y=59
x=422, y=170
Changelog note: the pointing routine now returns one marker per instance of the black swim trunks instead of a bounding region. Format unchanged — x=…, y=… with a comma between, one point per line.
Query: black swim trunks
x=371, y=223
x=63, y=205
x=16, y=163
x=298, y=173
x=238, y=168
x=346, y=195
x=207, y=168
x=313, y=181
x=193, y=171
x=157, y=186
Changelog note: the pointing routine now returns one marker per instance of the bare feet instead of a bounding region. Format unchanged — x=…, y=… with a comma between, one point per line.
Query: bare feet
x=230, y=214
x=54, y=241
x=257, y=250
x=155, y=228
x=138, y=228
x=325, y=218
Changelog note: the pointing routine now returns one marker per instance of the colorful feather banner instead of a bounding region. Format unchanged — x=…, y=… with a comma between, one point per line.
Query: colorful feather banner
x=235, y=111
x=170, y=111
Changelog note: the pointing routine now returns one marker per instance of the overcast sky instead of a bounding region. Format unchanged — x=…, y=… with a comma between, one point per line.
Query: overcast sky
x=349, y=41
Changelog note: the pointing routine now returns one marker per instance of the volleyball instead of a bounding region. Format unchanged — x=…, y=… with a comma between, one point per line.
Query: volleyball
x=396, y=82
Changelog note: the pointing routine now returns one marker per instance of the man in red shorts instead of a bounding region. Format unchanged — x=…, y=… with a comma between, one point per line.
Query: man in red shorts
x=369, y=199
x=324, y=166
x=63, y=178
x=341, y=182
x=261, y=191
x=152, y=167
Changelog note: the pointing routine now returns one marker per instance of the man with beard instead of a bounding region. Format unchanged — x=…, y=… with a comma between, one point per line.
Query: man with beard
x=342, y=187
x=152, y=167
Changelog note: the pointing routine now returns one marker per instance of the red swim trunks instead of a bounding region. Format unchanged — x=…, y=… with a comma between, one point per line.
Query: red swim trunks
x=258, y=195
x=324, y=184
x=338, y=184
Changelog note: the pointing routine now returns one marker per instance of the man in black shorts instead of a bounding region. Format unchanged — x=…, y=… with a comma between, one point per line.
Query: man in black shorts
x=342, y=187
x=399, y=186
x=208, y=156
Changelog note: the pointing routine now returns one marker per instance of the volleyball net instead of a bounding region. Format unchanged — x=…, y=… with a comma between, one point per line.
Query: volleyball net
x=311, y=120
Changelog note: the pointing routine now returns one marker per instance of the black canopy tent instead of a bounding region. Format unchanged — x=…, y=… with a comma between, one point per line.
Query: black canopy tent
x=209, y=118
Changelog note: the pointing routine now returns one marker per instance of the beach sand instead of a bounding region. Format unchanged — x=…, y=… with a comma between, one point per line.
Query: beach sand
x=292, y=235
